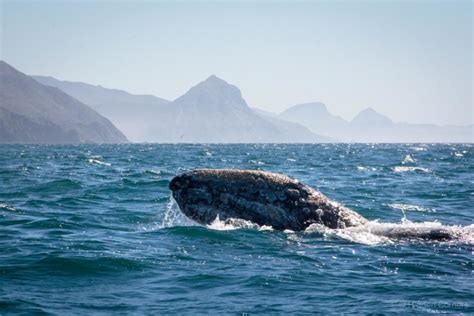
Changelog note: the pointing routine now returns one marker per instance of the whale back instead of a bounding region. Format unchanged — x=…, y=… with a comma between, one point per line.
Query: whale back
x=261, y=197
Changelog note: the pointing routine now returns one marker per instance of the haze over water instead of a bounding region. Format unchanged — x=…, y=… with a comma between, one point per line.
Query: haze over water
x=92, y=229
x=410, y=60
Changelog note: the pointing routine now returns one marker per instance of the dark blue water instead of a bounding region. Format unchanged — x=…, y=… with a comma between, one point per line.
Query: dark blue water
x=92, y=229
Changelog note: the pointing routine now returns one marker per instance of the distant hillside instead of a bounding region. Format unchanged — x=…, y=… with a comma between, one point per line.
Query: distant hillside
x=316, y=117
x=135, y=115
x=371, y=126
x=214, y=111
x=264, y=113
x=34, y=113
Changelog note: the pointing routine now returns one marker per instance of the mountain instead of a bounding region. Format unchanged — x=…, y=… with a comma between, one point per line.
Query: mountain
x=97, y=95
x=135, y=115
x=265, y=113
x=290, y=127
x=371, y=126
x=369, y=117
x=214, y=111
x=34, y=113
x=316, y=117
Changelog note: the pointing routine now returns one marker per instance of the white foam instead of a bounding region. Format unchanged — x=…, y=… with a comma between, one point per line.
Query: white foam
x=155, y=171
x=256, y=162
x=409, y=168
x=231, y=224
x=7, y=207
x=408, y=159
x=97, y=161
x=236, y=223
x=362, y=168
x=370, y=233
x=376, y=233
x=411, y=207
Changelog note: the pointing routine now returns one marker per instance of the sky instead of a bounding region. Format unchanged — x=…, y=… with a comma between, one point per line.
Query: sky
x=410, y=60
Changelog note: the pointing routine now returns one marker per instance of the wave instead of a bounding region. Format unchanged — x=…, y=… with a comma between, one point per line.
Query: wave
x=411, y=207
x=256, y=162
x=410, y=168
x=376, y=233
x=235, y=223
x=371, y=233
x=7, y=207
x=98, y=162
x=155, y=172
x=408, y=159
x=362, y=168
x=80, y=266
x=57, y=186
x=163, y=183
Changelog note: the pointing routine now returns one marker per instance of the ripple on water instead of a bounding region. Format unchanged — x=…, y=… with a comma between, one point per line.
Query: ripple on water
x=92, y=229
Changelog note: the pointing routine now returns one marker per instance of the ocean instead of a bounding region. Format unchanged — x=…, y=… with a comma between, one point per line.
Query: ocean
x=92, y=229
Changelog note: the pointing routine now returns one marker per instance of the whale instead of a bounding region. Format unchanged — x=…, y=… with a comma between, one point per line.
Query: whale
x=281, y=202
x=261, y=197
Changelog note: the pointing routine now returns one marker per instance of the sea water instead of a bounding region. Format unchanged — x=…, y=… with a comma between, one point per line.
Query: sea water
x=93, y=229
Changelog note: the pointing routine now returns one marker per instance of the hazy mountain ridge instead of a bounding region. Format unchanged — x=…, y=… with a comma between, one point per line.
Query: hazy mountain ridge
x=95, y=95
x=34, y=113
x=214, y=111
x=371, y=126
x=133, y=114
x=316, y=117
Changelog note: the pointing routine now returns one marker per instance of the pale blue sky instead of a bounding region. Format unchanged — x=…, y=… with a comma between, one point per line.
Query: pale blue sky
x=411, y=60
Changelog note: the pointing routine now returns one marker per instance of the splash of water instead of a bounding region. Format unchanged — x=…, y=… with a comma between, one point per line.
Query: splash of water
x=371, y=233
x=408, y=159
x=235, y=223
x=173, y=216
x=376, y=233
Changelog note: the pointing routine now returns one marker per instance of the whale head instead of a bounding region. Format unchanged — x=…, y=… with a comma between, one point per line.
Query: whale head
x=193, y=192
x=260, y=197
